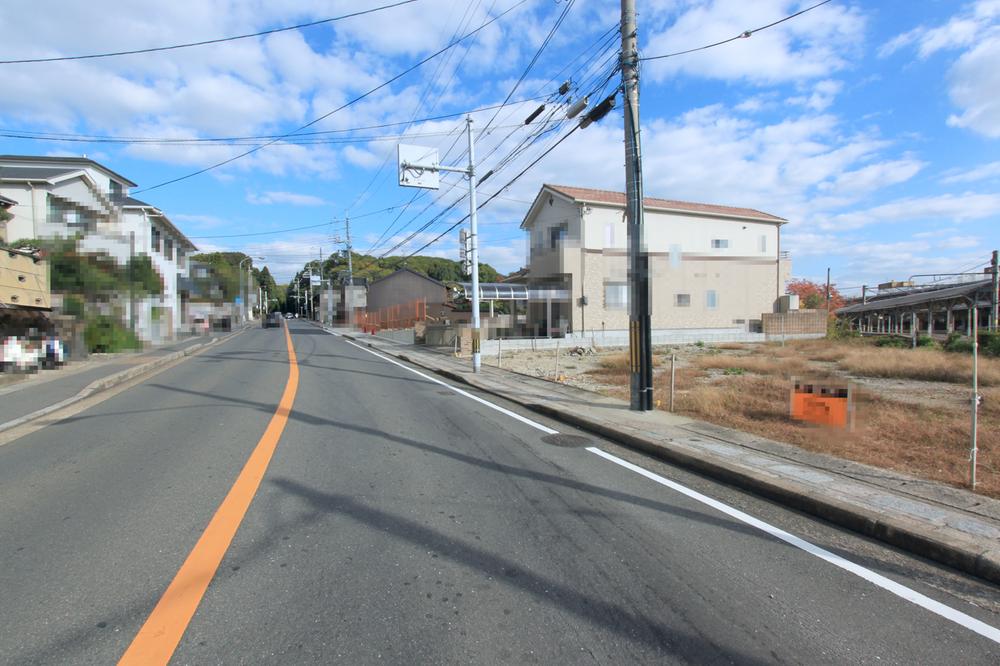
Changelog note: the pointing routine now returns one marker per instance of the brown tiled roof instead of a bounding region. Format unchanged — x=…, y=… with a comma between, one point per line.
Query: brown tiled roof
x=618, y=199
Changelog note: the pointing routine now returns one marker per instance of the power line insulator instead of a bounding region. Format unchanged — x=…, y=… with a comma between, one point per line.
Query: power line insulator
x=564, y=88
x=575, y=110
x=488, y=174
x=599, y=111
x=537, y=112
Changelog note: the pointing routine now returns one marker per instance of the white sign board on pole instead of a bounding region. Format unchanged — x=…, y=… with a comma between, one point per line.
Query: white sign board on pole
x=314, y=279
x=418, y=167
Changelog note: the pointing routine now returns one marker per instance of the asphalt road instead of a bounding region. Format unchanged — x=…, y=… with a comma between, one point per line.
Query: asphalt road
x=400, y=521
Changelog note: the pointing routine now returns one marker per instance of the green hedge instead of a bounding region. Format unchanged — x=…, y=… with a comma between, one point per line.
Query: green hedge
x=105, y=334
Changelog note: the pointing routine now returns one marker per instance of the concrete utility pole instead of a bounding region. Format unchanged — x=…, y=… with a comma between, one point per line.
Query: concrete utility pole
x=828, y=289
x=995, y=293
x=474, y=239
x=350, y=265
x=640, y=333
x=470, y=172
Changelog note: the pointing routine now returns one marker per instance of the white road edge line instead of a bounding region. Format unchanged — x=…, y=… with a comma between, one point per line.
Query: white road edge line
x=914, y=597
x=534, y=424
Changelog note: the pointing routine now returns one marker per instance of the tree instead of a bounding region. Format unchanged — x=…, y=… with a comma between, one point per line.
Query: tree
x=226, y=269
x=812, y=295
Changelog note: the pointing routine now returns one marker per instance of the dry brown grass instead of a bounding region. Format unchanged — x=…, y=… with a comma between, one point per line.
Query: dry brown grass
x=927, y=440
x=760, y=365
x=615, y=363
x=923, y=364
x=731, y=346
x=930, y=443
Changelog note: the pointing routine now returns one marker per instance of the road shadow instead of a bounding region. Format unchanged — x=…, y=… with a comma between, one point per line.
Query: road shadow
x=631, y=624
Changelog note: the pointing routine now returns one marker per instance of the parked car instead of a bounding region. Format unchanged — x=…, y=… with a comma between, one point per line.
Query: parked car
x=273, y=319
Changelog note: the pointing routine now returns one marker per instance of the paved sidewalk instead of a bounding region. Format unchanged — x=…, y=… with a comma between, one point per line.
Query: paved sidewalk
x=947, y=524
x=51, y=387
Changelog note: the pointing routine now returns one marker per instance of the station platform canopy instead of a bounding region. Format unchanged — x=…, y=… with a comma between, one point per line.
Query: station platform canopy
x=508, y=291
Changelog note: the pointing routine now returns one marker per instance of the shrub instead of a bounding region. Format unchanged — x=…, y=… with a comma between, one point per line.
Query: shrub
x=105, y=334
x=956, y=342
x=926, y=341
x=699, y=344
x=840, y=329
x=894, y=342
x=733, y=371
x=989, y=343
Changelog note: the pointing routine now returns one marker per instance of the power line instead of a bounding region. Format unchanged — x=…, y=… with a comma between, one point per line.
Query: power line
x=99, y=138
x=497, y=193
x=243, y=142
x=310, y=226
x=339, y=108
x=743, y=35
x=205, y=42
x=534, y=59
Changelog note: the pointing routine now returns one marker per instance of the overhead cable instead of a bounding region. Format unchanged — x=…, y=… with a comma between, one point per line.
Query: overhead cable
x=743, y=35
x=339, y=108
x=205, y=42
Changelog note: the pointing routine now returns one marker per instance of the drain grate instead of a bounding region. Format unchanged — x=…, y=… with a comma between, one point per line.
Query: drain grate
x=566, y=441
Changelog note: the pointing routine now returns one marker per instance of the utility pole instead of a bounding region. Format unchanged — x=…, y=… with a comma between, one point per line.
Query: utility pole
x=640, y=333
x=474, y=237
x=407, y=168
x=350, y=266
x=828, y=289
x=309, y=305
x=995, y=293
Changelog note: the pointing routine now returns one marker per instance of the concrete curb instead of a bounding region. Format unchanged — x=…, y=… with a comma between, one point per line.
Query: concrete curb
x=920, y=538
x=111, y=381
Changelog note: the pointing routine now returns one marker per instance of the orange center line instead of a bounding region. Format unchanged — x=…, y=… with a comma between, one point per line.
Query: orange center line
x=160, y=634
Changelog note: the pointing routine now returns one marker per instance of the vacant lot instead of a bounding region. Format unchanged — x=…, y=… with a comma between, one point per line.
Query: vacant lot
x=913, y=406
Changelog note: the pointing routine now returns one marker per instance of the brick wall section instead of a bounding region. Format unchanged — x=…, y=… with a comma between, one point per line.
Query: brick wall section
x=796, y=322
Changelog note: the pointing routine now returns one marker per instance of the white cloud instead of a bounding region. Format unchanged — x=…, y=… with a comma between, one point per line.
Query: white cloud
x=876, y=176
x=292, y=198
x=960, y=31
x=974, y=78
x=982, y=172
x=823, y=95
x=795, y=50
x=361, y=157
x=941, y=208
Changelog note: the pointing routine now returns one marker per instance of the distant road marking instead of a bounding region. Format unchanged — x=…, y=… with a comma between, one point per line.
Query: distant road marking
x=534, y=424
x=158, y=638
x=914, y=597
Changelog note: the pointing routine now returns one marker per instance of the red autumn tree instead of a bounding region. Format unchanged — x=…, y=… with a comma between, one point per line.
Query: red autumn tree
x=812, y=296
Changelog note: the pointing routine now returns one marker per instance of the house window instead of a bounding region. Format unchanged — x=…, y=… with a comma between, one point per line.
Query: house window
x=762, y=244
x=168, y=248
x=117, y=193
x=155, y=239
x=180, y=258
x=609, y=235
x=720, y=243
x=711, y=299
x=682, y=300
x=615, y=295
x=556, y=236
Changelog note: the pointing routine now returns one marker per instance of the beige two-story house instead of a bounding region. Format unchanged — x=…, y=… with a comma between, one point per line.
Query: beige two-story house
x=713, y=267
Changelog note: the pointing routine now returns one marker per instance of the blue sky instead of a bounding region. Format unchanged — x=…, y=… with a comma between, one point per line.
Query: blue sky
x=872, y=127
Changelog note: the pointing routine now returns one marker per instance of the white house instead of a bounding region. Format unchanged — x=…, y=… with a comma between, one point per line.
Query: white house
x=713, y=268
x=70, y=196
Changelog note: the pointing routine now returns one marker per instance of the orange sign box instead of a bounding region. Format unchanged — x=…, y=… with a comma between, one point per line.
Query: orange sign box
x=822, y=403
